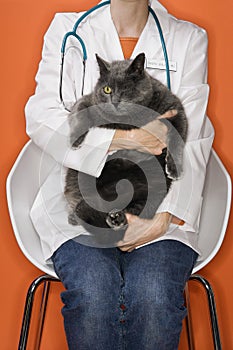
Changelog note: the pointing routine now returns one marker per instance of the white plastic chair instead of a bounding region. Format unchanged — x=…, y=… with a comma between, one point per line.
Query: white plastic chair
x=22, y=186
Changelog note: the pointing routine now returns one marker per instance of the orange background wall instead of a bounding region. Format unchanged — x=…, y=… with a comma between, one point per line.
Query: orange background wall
x=23, y=24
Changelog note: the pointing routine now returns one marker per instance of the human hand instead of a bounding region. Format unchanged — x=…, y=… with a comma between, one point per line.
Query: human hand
x=142, y=231
x=151, y=138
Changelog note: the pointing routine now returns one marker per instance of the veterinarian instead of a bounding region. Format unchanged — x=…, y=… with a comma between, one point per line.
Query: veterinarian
x=129, y=297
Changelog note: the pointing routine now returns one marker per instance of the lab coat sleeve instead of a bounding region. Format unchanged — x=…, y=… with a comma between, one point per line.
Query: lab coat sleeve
x=46, y=117
x=185, y=196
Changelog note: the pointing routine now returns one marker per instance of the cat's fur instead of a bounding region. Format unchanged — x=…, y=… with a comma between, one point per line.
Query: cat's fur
x=135, y=97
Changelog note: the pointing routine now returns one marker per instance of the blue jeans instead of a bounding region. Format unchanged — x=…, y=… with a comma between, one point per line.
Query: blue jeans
x=123, y=301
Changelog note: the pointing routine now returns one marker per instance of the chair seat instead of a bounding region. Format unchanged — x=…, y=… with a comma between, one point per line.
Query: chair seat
x=22, y=186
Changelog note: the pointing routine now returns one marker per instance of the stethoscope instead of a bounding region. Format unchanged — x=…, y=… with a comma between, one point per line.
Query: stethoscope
x=84, y=51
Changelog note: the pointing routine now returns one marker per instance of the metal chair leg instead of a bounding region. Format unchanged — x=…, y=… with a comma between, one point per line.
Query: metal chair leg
x=43, y=306
x=46, y=279
x=212, y=310
x=188, y=320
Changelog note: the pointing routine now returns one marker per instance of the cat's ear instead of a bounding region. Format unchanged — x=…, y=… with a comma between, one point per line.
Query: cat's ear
x=103, y=65
x=137, y=66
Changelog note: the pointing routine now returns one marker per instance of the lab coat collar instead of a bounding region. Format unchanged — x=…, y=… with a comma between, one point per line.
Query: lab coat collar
x=160, y=11
x=104, y=31
x=157, y=6
x=162, y=15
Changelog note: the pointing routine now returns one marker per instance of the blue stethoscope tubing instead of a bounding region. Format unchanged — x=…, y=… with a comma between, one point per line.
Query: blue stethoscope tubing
x=84, y=51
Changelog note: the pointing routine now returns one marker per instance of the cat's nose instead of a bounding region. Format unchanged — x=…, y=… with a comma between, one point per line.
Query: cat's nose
x=116, y=104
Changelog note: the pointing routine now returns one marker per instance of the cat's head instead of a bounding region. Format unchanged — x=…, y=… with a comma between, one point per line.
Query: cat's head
x=122, y=82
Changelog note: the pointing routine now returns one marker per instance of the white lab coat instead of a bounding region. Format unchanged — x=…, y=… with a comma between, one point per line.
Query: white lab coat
x=47, y=122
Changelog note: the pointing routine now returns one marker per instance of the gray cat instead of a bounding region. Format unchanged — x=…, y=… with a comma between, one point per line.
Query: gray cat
x=125, y=97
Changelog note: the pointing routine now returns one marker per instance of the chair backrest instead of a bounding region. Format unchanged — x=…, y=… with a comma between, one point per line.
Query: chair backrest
x=26, y=175
x=22, y=187
x=215, y=210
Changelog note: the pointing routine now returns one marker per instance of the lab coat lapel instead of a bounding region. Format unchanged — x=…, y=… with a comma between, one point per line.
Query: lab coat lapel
x=105, y=31
x=149, y=41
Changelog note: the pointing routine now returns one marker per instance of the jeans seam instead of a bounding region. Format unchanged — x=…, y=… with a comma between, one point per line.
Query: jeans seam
x=121, y=262
x=123, y=328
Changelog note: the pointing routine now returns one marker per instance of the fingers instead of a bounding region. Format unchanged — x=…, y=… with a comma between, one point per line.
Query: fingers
x=168, y=114
x=154, y=150
x=159, y=149
x=127, y=249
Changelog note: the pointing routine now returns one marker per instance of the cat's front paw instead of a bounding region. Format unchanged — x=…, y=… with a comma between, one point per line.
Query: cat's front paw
x=116, y=219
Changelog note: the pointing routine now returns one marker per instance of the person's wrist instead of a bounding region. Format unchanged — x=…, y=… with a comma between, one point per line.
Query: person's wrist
x=167, y=217
x=162, y=221
x=118, y=140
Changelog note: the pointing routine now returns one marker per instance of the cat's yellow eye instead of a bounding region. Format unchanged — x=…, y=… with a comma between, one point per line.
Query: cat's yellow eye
x=107, y=90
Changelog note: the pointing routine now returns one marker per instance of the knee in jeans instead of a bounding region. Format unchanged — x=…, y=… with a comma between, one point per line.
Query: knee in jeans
x=81, y=296
x=90, y=297
x=159, y=299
